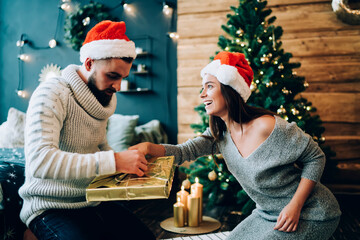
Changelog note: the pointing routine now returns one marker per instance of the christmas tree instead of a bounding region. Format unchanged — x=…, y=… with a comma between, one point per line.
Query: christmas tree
x=275, y=87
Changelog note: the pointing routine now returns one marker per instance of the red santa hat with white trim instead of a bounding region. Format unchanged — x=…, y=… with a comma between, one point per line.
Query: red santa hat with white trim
x=107, y=39
x=231, y=69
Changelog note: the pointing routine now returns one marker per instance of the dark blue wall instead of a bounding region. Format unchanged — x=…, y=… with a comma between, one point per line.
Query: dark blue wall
x=38, y=18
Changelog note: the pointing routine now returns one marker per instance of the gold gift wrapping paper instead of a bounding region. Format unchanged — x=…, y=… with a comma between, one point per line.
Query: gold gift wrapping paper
x=156, y=183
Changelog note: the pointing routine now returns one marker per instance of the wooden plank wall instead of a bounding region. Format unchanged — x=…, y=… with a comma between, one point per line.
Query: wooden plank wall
x=328, y=49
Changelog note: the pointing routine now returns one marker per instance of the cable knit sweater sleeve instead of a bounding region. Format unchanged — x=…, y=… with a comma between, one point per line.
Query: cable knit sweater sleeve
x=44, y=124
x=192, y=148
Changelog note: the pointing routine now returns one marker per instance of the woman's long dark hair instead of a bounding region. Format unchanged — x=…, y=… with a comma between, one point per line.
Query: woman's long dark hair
x=239, y=112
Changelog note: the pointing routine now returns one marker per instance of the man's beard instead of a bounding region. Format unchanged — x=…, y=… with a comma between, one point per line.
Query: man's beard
x=100, y=95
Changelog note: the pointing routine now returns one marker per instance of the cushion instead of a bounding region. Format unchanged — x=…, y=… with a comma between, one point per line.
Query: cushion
x=12, y=131
x=121, y=131
x=12, y=163
x=150, y=132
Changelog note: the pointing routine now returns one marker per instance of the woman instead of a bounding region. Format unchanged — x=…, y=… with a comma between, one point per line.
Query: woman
x=260, y=150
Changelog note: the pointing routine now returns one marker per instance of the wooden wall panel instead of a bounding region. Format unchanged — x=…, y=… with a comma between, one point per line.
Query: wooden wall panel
x=328, y=50
x=199, y=6
x=313, y=18
x=336, y=107
x=330, y=69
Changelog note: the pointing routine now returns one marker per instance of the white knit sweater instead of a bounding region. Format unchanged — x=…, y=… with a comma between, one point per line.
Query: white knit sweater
x=65, y=145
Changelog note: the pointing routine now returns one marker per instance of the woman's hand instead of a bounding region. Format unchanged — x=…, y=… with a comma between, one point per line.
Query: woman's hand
x=288, y=219
x=148, y=148
x=143, y=147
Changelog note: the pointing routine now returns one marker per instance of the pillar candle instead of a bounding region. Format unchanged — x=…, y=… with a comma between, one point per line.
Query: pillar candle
x=197, y=190
x=183, y=195
x=193, y=210
x=179, y=220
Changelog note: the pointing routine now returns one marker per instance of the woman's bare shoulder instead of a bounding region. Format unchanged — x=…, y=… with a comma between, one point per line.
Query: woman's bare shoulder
x=265, y=124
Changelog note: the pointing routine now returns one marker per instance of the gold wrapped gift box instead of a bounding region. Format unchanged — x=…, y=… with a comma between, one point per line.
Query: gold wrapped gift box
x=156, y=183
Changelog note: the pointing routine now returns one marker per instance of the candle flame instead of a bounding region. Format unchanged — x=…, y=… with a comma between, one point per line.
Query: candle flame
x=182, y=188
x=197, y=180
x=178, y=199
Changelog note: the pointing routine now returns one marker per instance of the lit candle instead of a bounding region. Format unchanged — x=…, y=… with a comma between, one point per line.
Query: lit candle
x=182, y=194
x=179, y=218
x=193, y=210
x=197, y=190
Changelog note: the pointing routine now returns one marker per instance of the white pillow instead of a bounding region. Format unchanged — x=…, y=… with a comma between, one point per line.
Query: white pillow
x=12, y=131
x=121, y=131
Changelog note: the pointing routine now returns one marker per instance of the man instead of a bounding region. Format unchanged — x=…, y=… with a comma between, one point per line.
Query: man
x=66, y=147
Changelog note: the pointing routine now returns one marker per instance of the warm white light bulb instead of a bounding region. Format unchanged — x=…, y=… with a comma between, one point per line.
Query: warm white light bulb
x=66, y=6
x=21, y=93
x=24, y=57
x=20, y=43
x=173, y=35
x=52, y=43
x=166, y=9
x=127, y=7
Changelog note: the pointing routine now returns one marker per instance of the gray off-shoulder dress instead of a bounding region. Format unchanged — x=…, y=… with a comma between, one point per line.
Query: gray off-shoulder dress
x=269, y=176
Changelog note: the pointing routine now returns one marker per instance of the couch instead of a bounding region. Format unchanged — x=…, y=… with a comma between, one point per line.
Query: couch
x=122, y=132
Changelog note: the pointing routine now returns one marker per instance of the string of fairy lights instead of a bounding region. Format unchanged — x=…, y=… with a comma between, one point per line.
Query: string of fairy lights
x=67, y=6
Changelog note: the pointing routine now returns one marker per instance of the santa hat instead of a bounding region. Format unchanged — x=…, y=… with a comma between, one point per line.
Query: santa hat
x=107, y=39
x=231, y=69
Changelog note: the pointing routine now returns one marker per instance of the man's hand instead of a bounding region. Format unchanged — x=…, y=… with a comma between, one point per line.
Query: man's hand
x=131, y=161
x=288, y=219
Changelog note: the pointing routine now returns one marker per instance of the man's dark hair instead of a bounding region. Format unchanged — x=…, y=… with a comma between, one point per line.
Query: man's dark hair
x=127, y=59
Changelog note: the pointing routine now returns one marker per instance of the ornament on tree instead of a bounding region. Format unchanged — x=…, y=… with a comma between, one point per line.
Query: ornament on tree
x=212, y=175
x=264, y=59
x=240, y=32
x=269, y=84
x=253, y=86
x=294, y=111
x=285, y=91
x=281, y=110
x=186, y=183
x=281, y=67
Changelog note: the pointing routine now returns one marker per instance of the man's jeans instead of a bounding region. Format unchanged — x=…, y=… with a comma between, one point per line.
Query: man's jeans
x=109, y=220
